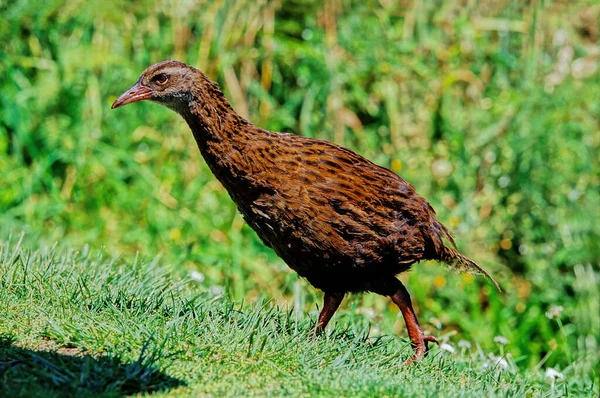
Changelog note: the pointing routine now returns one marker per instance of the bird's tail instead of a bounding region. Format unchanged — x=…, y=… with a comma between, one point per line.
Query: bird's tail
x=461, y=263
x=450, y=255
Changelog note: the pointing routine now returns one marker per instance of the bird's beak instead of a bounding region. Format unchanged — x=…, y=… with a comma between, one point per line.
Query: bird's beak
x=134, y=94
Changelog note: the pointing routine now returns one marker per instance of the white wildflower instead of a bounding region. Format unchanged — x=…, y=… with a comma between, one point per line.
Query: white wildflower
x=447, y=347
x=368, y=312
x=554, y=374
x=499, y=362
x=197, y=276
x=464, y=344
x=374, y=331
x=554, y=312
x=501, y=340
x=217, y=290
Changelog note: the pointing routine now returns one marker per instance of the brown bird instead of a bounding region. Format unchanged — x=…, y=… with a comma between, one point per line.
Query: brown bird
x=337, y=219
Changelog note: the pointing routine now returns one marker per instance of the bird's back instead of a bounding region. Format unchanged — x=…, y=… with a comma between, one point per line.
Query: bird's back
x=330, y=213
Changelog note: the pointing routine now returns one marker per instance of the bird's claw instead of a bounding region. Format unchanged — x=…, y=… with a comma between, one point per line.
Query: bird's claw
x=430, y=339
x=421, y=348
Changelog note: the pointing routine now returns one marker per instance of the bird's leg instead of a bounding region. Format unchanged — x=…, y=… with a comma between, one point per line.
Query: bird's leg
x=419, y=341
x=331, y=303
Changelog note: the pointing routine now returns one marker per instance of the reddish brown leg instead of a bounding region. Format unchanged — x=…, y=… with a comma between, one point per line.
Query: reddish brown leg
x=419, y=341
x=331, y=303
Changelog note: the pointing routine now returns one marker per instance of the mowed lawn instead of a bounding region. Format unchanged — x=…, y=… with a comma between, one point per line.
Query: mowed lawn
x=78, y=323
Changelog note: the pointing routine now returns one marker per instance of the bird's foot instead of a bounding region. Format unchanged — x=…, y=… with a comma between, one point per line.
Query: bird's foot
x=421, y=347
x=316, y=331
x=331, y=303
x=419, y=340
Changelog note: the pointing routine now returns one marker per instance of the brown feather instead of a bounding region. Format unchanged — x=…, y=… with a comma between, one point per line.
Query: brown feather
x=336, y=218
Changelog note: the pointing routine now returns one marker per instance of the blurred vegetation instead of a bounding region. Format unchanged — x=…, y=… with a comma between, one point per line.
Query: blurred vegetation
x=490, y=109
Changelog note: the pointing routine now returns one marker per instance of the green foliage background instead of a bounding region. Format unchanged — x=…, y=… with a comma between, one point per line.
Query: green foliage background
x=490, y=109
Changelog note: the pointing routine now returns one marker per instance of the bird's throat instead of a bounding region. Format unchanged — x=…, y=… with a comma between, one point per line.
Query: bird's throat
x=222, y=136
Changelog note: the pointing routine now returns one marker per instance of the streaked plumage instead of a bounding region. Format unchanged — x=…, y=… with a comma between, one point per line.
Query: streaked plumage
x=336, y=218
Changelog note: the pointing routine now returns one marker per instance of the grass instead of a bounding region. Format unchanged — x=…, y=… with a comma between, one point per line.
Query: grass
x=78, y=324
x=489, y=108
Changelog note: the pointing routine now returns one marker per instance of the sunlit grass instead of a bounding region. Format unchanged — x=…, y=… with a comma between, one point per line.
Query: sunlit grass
x=490, y=109
x=76, y=322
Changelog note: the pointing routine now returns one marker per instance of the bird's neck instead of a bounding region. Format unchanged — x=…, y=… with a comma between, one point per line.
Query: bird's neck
x=223, y=137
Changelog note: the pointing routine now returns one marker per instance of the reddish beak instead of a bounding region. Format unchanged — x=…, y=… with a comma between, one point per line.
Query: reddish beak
x=134, y=94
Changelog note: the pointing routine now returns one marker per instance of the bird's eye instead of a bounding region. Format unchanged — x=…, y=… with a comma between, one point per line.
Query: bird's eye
x=161, y=79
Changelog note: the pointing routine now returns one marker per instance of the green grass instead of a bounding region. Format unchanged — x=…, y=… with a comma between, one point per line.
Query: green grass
x=79, y=324
x=489, y=108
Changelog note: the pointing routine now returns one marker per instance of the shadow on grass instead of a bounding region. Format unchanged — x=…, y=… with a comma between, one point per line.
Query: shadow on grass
x=65, y=372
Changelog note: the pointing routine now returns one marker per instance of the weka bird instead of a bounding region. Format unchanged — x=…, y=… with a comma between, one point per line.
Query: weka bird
x=337, y=219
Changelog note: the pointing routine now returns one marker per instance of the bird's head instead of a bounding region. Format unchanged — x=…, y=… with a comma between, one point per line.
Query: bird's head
x=169, y=83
